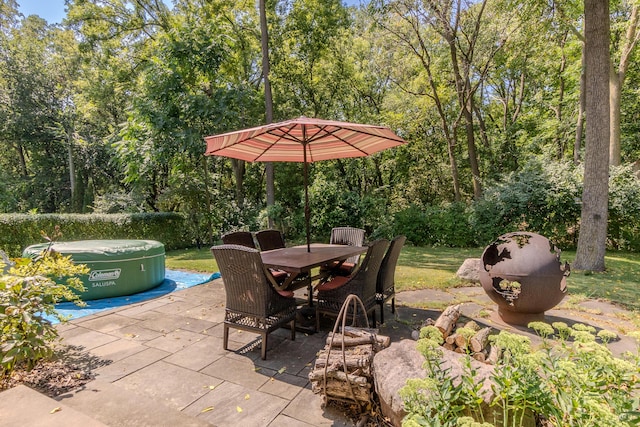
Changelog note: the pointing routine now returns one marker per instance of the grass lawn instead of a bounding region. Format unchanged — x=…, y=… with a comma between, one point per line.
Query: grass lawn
x=429, y=267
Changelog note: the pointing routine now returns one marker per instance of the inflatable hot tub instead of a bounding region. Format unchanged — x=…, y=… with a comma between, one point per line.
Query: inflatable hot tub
x=117, y=267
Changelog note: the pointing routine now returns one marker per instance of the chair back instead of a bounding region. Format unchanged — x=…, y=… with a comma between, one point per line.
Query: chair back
x=386, y=275
x=242, y=238
x=243, y=274
x=270, y=239
x=348, y=236
x=367, y=274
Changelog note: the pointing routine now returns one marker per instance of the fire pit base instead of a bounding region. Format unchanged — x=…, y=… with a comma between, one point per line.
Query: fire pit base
x=517, y=319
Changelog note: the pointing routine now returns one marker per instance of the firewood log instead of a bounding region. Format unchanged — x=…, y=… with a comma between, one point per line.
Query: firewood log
x=451, y=339
x=494, y=355
x=462, y=341
x=479, y=356
x=362, y=357
x=448, y=319
x=357, y=336
x=318, y=375
x=449, y=346
x=341, y=390
x=480, y=339
x=379, y=341
x=471, y=324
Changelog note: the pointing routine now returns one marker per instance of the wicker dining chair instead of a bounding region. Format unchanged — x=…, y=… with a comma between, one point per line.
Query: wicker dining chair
x=386, y=276
x=242, y=238
x=270, y=239
x=346, y=236
x=332, y=294
x=252, y=302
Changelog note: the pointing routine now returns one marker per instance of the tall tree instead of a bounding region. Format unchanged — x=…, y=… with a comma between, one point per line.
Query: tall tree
x=623, y=46
x=268, y=100
x=592, y=240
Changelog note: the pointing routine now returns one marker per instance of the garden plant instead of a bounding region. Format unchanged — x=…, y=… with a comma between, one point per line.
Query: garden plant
x=29, y=290
x=572, y=379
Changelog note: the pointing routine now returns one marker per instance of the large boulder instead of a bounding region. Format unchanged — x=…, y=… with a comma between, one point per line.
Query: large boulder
x=470, y=270
x=401, y=361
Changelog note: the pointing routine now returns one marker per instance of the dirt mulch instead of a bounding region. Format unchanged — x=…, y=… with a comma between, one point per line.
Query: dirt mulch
x=51, y=378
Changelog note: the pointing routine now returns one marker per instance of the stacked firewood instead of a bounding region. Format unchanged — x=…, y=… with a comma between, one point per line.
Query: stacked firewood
x=347, y=375
x=466, y=338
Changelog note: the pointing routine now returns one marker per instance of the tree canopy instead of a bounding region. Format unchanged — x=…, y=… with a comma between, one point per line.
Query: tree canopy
x=107, y=111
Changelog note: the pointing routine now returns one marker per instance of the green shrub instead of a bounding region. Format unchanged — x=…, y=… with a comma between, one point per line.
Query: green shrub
x=18, y=231
x=570, y=383
x=540, y=198
x=624, y=209
x=28, y=293
x=331, y=205
x=444, y=225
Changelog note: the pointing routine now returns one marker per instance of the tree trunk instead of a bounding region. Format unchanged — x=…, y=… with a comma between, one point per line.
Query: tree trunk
x=615, y=88
x=238, y=172
x=616, y=83
x=560, y=137
x=268, y=101
x=465, y=101
x=72, y=171
x=580, y=120
x=593, y=220
x=24, y=172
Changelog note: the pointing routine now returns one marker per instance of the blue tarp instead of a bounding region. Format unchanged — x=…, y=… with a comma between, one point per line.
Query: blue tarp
x=173, y=281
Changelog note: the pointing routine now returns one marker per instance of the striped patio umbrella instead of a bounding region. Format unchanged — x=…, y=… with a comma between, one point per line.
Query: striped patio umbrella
x=303, y=140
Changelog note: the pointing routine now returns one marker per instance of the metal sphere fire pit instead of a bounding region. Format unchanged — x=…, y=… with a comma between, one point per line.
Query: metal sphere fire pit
x=522, y=273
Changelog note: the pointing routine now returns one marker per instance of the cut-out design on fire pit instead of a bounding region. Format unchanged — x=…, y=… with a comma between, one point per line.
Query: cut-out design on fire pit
x=522, y=273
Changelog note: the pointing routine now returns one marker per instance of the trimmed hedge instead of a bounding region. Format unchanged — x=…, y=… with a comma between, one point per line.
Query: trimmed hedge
x=18, y=231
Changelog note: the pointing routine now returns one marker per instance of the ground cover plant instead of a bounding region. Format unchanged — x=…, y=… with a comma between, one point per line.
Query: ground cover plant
x=571, y=380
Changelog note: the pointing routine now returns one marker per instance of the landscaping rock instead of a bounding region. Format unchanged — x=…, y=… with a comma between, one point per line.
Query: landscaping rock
x=394, y=365
x=470, y=270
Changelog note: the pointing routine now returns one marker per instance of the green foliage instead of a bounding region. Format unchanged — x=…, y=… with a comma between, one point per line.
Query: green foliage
x=331, y=206
x=20, y=230
x=444, y=225
x=571, y=383
x=541, y=198
x=28, y=291
x=624, y=208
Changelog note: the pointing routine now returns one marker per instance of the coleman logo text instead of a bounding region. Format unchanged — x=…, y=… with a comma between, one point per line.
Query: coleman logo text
x=111, y=274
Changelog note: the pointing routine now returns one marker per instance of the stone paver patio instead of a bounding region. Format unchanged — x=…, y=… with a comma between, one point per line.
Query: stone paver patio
x=161, y=363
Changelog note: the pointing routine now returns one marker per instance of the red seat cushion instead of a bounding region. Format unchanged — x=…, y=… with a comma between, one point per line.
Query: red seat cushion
x=347, y=267
x=278, y=274
x=332, y=284
x=286, y=294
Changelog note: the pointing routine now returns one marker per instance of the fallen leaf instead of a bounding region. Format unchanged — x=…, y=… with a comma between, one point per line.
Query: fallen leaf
x=239, y=409
x=247, y=397
x=256, y=369
x=281, y=370
x=207, y=409
x=54, y=410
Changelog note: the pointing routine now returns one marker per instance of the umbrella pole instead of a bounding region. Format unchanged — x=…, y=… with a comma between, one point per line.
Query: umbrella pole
x=306, y=198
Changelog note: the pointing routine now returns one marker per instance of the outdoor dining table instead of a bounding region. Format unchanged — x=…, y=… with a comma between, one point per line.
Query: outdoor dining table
x=298, y=262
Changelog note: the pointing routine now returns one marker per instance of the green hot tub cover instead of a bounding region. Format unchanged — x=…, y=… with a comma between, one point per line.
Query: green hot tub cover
x=117, y=267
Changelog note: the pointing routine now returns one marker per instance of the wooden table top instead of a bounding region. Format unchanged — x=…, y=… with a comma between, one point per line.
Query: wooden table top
x=297, y=259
